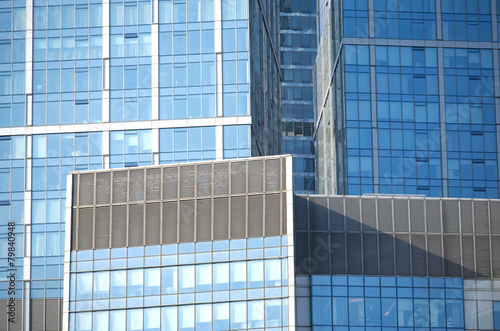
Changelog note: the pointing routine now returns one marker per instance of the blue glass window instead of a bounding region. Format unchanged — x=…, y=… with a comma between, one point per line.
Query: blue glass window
x=496, y=314
x=378, y=306
x=130, y=148
x=236, y=141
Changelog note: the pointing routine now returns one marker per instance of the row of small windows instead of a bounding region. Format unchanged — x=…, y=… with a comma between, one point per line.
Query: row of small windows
x=67, y=16
x=218, y=316
x=133, y=142
x=299, y=58
x=418, y=57
x=295, y=6
x=384, y=302
x=200, y=10
x=67, y=48
x=297, y=129
x=428, y=6
x=124, y=14
x=177, y=279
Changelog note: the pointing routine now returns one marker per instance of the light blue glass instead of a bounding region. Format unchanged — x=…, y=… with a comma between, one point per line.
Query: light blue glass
x=238, y=315
x=168, y=318
x=186, y=279
x=100, y=320
x=238, y=275
x=220, y=276
x=101, y=285
x=84, y=286
x=273, y=313
x=152, y=282
x=389, y=312
x=135, y=319
x=186, y=317
x=118, y=284
x=169, y=280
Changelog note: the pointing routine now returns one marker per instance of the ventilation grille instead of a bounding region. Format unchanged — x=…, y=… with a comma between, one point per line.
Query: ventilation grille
x=182, y=203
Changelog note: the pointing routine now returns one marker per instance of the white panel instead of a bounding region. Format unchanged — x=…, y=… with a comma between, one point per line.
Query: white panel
x=485, y=315
x=105, y=29
x=218, y=65
x=105, y=74
x=27, y=187
x=470, y=315
x=137, y=125
x=496, y=285
x=217, y=26
x=29, y=107
x=106, y=162
x=27, y=306
x=105, y=143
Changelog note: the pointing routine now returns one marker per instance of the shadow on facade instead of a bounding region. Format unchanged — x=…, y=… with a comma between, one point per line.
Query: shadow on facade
x=330, y=243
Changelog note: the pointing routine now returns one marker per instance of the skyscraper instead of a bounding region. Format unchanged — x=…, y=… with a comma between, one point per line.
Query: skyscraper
x=108, y=84
x=298, y=53
x=405, y=97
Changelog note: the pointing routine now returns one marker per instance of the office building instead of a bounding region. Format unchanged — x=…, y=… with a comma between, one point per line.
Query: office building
x=298, y=53
x=406, y=98
x=226, y=245
x=98, y=84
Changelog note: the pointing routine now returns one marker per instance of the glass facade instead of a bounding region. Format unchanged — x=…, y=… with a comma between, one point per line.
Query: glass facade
x=89, y=84
x=408, y=115
x=496, y=314
x=393, y=303
x=298, y=51
x=219, y=285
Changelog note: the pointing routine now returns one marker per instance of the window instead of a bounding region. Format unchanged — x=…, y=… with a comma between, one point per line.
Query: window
x=496, y=315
